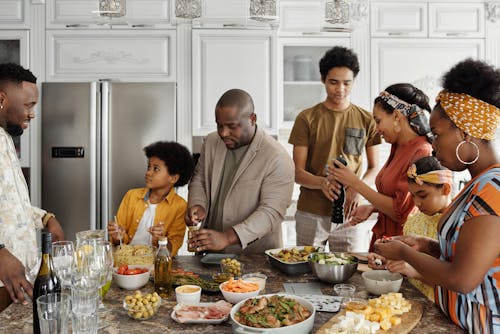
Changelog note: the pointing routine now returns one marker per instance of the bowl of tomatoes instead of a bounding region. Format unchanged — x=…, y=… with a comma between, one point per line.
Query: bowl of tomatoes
x=131, y=277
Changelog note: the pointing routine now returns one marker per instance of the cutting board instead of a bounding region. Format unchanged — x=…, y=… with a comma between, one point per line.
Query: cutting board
x=408, y=321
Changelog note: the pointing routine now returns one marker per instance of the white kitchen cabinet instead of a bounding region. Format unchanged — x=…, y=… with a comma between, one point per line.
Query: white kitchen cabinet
x=456, y=20
x=398, y=19
x=85, y=13
x=142, y=55
x=14, y=14
x=14, y=48
x=300, y=16
x=421, y=62
x=299, y=79
x=233, y=58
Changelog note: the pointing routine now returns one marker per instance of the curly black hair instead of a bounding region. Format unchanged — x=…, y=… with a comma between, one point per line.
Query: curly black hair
x=338, y=56
x=475, y=78
x=426, y=165
x=10, y=72
x=177, y=158
x=406, y=92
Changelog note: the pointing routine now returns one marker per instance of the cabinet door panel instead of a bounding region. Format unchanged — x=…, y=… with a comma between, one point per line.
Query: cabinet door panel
x=129, y=55
x=456, y=20
x=300, y=16
x=420, y=62
x=399, y=19
x=226, y=59
x=13, y=13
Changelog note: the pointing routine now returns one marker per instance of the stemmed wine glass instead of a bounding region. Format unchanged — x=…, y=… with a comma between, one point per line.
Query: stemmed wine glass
x=63, y=257
x=32, y=262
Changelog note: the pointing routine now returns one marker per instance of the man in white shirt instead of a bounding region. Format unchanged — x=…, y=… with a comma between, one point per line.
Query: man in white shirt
x=18, y=218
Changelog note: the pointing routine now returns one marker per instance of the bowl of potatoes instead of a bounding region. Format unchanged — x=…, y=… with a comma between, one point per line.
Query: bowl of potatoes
x=142, y=306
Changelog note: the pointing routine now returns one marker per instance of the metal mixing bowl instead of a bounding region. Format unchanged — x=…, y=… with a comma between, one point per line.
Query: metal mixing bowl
x=333, y=273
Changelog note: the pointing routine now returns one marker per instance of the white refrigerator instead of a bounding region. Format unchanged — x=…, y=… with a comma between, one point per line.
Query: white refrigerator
x=93, y=135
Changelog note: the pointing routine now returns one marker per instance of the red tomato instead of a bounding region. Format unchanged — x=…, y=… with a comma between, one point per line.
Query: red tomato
x=122, y=269
x=133, y=272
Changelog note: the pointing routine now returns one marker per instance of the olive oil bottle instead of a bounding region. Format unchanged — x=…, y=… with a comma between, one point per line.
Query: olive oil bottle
x=46, y=281
x=163, y=267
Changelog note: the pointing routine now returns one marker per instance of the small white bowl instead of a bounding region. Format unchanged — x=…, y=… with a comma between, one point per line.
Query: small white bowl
x=131, y=282
x=258, y=278
x=379, y=282
x=188, y=294
x=236, y=297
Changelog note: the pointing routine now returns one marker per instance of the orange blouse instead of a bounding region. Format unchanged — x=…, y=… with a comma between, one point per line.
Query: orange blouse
x=392, y=181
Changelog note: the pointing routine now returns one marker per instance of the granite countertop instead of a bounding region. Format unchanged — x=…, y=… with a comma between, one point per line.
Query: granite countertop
x=18, y=318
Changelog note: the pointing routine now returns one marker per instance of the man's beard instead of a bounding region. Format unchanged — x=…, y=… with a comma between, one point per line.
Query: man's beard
x=14, y=130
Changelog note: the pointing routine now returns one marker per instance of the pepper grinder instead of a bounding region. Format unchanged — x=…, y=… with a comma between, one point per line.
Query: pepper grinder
x=338, y=204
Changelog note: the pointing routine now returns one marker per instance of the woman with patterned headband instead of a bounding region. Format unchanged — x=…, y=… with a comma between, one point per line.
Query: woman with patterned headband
x=465, y=262
x=400, y=118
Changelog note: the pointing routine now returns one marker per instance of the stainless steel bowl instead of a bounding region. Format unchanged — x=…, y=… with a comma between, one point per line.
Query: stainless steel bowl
x=333, y=273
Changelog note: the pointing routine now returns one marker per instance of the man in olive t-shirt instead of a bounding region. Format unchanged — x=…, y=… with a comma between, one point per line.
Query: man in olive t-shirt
x=332, y=128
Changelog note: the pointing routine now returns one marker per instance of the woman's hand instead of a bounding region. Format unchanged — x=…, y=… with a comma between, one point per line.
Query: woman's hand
x=114, y=231
x=376, y=261
x=391, y=249
x=352, y=199
x=403, y=268
x=360, y=214
x=342, y=174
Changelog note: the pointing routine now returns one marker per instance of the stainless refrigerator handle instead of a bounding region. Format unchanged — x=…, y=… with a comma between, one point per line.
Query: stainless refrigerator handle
x=104, y=153
x=93, y=156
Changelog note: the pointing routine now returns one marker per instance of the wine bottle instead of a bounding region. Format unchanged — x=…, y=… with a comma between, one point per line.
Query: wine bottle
x=163, y=267
x=46, y=281
x=338, y=204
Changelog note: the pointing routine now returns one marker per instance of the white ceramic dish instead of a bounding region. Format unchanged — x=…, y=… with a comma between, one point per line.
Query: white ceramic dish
x=131, y=282
x=236, y=297
x=174, y=317
x=303, y=327
x=379, y=282
x=188, y=294
x=290, y=268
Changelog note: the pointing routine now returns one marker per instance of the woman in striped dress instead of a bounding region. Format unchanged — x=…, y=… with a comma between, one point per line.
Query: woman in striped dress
x=465, y=262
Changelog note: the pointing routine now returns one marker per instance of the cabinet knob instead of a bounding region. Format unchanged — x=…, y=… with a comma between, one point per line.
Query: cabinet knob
x=77, y=25
x=397, y=33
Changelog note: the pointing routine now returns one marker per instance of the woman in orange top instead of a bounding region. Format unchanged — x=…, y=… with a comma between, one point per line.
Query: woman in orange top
x=147, y=214
x=400, y=117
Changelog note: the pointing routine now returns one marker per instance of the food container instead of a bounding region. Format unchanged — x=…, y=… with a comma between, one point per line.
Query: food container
x=131, y=282
x=235, y=297
x=188, y=294
x=290, y=268
x=150, y=303
x=258, y=278
x=221, y=277
x=332, y=272
x=379, y=282
x=303, y=327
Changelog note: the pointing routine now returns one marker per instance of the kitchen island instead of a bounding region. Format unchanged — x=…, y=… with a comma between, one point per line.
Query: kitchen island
x=18, y=318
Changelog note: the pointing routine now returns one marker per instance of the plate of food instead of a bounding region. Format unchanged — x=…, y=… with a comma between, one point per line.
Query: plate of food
x=202, y=313
x=292, y=261
x=206, y=282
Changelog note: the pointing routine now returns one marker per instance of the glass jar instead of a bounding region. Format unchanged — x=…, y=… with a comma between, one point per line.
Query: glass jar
x=336, y=11
x=263, y=10
x=112, y=8
x=188, y=9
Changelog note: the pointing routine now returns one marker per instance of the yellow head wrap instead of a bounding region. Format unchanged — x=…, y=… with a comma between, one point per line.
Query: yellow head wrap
x=440, y=176
x=473, y=116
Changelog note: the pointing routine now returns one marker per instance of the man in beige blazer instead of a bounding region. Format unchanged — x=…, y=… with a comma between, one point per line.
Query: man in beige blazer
x=242, y=184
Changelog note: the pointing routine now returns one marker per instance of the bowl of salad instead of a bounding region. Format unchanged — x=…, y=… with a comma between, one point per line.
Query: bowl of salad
x=333, y=267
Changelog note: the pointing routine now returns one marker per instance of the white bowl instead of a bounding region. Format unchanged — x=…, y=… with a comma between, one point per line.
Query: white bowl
x=235, y=297
x=379, y=282
x=131, y=282
x=303, y=327
x=188, y=294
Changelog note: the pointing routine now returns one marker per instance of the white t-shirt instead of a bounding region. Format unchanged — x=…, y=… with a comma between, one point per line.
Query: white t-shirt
x=142, y=236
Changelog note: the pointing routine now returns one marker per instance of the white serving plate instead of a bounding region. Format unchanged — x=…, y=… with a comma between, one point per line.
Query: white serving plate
x=197, y=321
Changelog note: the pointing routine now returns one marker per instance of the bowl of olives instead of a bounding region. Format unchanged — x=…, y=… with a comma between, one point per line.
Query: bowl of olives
x=232, y=267
x=142, y=306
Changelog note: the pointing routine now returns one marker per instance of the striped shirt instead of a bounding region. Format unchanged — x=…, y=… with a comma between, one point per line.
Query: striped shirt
x=478, y=310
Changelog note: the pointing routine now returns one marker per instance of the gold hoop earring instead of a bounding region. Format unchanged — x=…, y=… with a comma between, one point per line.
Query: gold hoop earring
x=458, y=155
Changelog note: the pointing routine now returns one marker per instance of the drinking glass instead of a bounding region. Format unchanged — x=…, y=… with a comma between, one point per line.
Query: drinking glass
x=63, y=254
x=191, y=232
x=84, y=301
x=83, y=237
x=53, y=311
x=32, y=262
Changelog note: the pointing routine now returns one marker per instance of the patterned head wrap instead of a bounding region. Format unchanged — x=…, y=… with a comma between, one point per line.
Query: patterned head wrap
x=416, y=116
x=440, y=176
x=473, y=116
